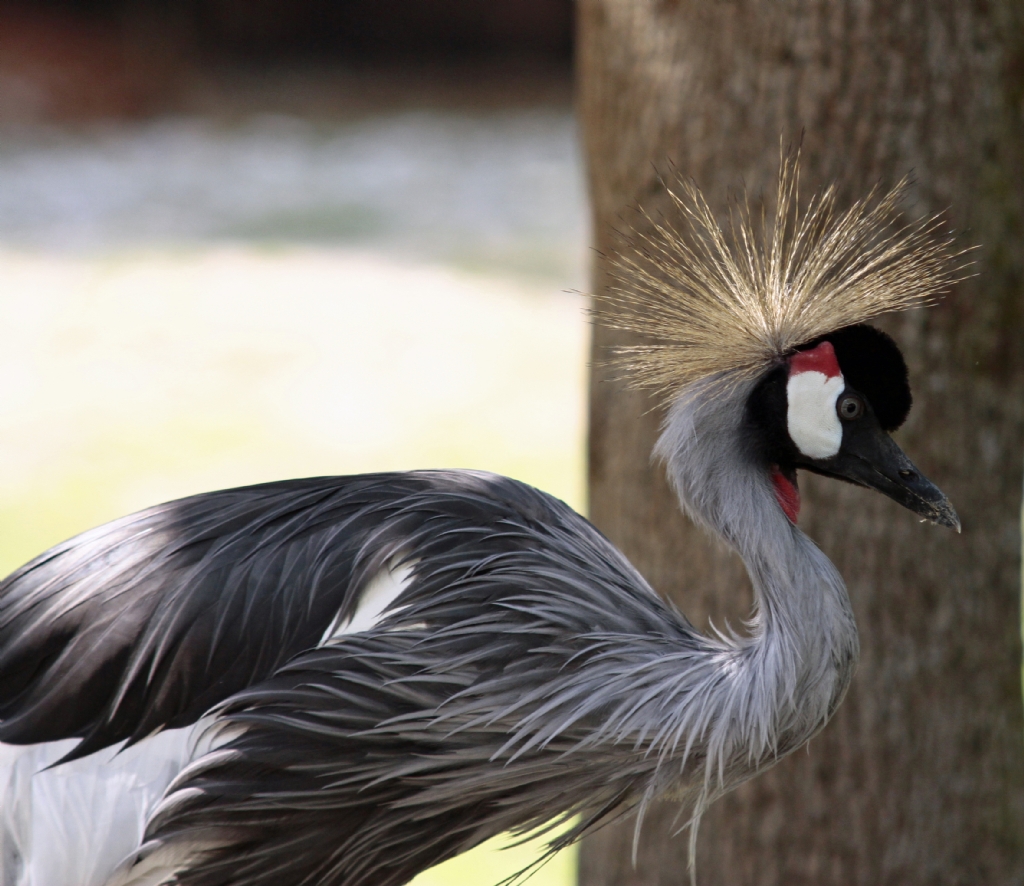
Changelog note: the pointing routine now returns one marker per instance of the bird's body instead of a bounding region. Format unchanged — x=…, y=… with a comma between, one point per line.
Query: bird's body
x=512, y=676
x=343, y=681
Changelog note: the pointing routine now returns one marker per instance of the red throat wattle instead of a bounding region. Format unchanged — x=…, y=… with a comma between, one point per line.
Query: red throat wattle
x=786, y=493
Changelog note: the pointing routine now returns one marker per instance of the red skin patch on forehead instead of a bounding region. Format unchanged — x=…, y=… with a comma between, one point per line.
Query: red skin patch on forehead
x=786, y=493
x=820, y=359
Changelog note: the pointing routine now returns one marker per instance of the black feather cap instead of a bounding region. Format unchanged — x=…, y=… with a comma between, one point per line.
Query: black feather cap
x=873, y=365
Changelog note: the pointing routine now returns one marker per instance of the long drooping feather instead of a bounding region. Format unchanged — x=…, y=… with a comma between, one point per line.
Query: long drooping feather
x=714, y=300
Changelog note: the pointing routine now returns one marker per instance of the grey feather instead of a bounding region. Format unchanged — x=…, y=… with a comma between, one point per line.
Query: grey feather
x=526, y=671
x=529, y=671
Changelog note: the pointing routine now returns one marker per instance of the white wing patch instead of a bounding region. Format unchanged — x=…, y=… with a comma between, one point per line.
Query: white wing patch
x=811, y=416
x=158, y=865
x=380, y=592
x=78, y=823
x=72, y=825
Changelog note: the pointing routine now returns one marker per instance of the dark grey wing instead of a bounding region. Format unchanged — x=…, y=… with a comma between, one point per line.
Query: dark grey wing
x=148, y=621
x=476, y=707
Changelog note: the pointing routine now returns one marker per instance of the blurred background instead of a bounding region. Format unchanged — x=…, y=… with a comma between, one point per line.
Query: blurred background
x=243, y=240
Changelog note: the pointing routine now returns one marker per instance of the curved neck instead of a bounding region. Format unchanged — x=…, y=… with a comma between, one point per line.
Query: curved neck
x=795, y=666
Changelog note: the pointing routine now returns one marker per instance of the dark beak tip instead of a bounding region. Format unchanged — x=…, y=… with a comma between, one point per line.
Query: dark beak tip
x=946, y=516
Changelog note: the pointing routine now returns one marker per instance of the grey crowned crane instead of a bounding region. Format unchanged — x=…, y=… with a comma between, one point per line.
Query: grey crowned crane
x=345, y=680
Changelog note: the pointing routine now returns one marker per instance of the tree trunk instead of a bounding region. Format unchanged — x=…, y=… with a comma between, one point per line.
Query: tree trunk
x=919, y=778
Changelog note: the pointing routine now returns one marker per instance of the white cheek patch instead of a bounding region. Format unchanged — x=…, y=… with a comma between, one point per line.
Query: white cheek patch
x=811, y=417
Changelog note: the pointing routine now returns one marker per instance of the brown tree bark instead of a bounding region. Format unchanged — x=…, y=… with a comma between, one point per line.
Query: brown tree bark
x=919, y=779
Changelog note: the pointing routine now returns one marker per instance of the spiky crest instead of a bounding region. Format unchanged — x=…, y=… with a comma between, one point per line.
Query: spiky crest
x=727, y=302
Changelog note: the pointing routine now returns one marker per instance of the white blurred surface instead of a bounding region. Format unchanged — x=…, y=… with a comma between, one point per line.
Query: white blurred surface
x=178, y=372
x=188, y=305
x=191, y=303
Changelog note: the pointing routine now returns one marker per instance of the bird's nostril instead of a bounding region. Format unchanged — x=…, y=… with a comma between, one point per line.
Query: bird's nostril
x=908, y=475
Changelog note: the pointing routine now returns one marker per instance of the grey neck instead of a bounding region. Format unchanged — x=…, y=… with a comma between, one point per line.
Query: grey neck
x=796, y=663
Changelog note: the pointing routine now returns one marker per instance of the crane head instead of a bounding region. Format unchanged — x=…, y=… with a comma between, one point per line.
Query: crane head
x=768, y=310
x=829, y=407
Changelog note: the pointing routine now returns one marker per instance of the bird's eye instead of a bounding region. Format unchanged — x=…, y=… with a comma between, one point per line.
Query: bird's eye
x=849, y=407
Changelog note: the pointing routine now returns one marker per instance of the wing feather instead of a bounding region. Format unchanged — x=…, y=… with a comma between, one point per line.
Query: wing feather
x=148, y=621
x=476, y=704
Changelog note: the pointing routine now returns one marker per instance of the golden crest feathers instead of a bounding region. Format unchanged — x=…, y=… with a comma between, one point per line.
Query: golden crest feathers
x=728, y=302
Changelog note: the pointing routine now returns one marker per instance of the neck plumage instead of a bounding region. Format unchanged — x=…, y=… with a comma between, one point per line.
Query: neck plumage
x=789, y=674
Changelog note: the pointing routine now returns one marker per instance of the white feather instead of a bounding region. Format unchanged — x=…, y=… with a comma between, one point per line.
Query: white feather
x=82, y=823
x=157, y=865
x=72, y=825
x=380, y=592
